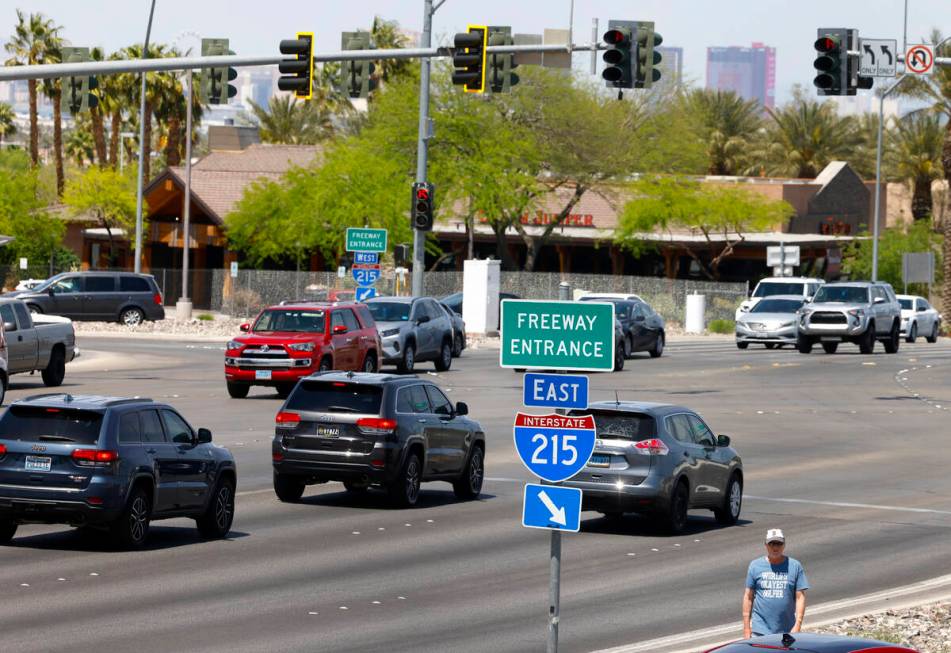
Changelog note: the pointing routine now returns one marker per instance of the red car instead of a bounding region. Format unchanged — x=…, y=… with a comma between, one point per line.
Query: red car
x=808, y=643
x=288, y=342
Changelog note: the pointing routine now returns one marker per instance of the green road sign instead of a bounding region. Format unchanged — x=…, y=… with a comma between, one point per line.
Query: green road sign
x=557, y=335
x=366, y=240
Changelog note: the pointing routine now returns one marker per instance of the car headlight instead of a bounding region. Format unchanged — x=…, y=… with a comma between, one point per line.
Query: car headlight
x=302, y=346
x=390, y=332
x=743, y=324
x=857, y=312
x=234, y=344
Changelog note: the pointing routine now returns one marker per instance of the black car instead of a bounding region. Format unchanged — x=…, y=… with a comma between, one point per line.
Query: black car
x=103, y=296
x=110, y=462
x=375, y=430
x=808, y=643
x=454, y=301
x=643, y=327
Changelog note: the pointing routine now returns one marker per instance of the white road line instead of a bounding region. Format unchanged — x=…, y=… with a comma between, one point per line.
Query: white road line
x=843, y=504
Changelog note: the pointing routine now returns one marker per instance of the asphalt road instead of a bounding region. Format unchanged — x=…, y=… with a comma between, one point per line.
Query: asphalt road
x=847, y=453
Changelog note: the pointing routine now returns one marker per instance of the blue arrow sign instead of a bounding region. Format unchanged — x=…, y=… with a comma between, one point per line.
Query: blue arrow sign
x=554, y=447
x=365, y=274
x=552, y=508
x=364, y=293
x=366, y=257
x=555, y=390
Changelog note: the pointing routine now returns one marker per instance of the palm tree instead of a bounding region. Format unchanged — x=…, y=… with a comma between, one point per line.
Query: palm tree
x=864, y=155
x=80, y=144
x=914, y=151
x=27, y=47
x=153, y=84
x=285, y=120
x=170, y=112
x=117, y=94
x=52, y=89
x=7, y=126
x=98, y=112
x=386, y=35
x=727, y=123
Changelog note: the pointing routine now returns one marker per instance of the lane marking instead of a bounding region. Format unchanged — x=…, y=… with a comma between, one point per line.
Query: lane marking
x=843, y=504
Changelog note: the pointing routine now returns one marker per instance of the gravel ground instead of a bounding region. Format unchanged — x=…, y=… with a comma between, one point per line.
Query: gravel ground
x=924, y=628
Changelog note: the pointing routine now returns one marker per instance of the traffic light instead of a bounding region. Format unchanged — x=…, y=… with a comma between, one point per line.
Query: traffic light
x=301, y=68
x=422, y=206
x=77, y=92
x=618, y=73
x=468, y=58
x=646, y=56
x=357, y=76
x=832, y=62
x=501, y=77
x=214, y=87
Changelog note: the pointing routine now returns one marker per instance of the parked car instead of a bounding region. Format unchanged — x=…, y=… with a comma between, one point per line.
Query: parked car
x=809, y=643
x=288, y=342
x=804, y=287
x=383, y=430
x=454, y=301
x=771, y=322
x=458, y=331
x=28, y=284
x=107, y=296
x=643, y=327
x=661, y=460
x=918, y=317
x=601, y=296
x=413, y=329
x=853, y=311
x=113, y=463
x=36, y=342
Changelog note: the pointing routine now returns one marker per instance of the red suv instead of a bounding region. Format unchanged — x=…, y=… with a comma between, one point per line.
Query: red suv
x=286, y=343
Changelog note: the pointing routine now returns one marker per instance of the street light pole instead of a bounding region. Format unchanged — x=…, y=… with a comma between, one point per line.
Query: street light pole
x=141, y=171
x=183, y=308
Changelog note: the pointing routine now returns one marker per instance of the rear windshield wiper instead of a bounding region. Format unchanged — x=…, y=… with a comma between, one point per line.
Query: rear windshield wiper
x=346, y=409
x=56, y=438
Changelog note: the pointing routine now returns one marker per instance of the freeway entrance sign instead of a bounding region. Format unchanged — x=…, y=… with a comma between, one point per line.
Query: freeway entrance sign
x=552, y=507
x=364, y=239
x=366, y=274
x=557, y=335
x=555, y=391
x=554, y=447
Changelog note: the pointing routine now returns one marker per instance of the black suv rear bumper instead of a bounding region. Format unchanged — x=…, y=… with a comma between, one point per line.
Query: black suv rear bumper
x=380, y=466
x=42, y=511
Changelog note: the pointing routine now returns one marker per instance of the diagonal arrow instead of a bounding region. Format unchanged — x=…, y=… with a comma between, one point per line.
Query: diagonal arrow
x=870, y=52
x=557, y=514
x=891, y=57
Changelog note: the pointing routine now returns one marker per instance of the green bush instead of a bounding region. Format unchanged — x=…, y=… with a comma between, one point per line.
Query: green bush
x=205, y=317
x=721, y=326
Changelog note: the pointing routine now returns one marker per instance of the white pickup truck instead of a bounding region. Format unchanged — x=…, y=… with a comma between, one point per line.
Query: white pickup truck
x=36, y=342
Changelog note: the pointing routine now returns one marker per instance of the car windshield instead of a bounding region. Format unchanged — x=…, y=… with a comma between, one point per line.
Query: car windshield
x=907, y=304
x=777, y=306
x=305, y=321
x=841, y=295
x=49, y=282
x=389, y=311
x=336, y=397
x=38, y=424
x=610, y=425
x=766, y=289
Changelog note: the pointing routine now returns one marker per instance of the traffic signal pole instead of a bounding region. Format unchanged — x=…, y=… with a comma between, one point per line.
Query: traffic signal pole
x=422, y=144
x=141, y=170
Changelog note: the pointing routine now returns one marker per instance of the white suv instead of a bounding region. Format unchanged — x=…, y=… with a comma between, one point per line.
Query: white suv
x=804, y=287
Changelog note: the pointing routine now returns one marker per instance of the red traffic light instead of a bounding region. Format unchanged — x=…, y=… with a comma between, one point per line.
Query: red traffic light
x=826, y=44
x=616, y=37
x=422, y=194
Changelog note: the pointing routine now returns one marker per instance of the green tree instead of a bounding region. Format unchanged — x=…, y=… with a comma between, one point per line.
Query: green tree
x=80, y=145
x=386, y=35
x=727, y=123
x=914, y=153
x=286, y=120
x=892, y=243
x=723, y=214
x=106, y=194
x=23, y=211
x=7, y=126
x=52, y=89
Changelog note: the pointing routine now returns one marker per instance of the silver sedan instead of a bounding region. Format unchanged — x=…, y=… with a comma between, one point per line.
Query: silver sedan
x=771, y=322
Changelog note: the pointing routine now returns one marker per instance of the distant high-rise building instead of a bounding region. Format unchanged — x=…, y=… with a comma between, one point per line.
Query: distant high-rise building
x=749, y=72
x=671, y=66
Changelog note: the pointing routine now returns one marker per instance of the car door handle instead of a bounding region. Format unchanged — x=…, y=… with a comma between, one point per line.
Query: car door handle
x=150, y=451
x=422, y=420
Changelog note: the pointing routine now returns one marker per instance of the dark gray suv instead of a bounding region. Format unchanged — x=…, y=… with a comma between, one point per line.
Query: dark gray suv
x=375, y=430
x=110, y=462
x=102, y=296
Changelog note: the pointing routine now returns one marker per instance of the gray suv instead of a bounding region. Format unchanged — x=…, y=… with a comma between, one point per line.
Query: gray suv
x=413, y=329
x=112, y=463
x=854, y=311
x=102, y=296
x=661, y=460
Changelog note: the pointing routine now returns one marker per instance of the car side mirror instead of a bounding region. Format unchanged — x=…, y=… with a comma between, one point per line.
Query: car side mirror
x=340, y=328
x=879, y=300
x=922, y=309
x=9, y=326
x=204, y=436
x=50, y=291
x=245, y=327
x=808, y=299
x=423, y=319
x=462, y=408
x=723, y=440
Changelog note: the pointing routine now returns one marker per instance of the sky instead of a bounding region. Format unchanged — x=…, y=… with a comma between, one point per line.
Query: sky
x=256, y=28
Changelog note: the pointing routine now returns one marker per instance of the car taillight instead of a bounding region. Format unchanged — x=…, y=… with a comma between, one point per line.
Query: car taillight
x=287, y=419
x=157, y=298
x=376, y=425
x=652, y=447
x=95, y=455
x=3, y=450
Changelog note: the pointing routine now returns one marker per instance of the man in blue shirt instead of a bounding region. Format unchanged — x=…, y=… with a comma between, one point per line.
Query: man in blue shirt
x=775, y=598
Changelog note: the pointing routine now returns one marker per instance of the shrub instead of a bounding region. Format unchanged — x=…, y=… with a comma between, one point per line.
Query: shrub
x=205, y=317
x=721, y=326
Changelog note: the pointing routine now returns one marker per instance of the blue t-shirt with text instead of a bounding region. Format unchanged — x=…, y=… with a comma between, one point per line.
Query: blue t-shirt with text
x=774, y=594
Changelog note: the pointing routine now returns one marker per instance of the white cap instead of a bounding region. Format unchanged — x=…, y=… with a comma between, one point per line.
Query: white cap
x=775, y=535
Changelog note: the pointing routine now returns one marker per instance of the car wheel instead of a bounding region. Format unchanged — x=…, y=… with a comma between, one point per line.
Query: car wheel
x=131, y=529
x=131, y=317
x=356, y=487
x=288, y=489
x=742, y=345
x=284, y=389
x=34, y=309
x=216, y=521
x=677, y=513
x=55, y=370
x=369, y=363
x=830, y=347
x=894, y=340
x=867, y=342
x=659, y=343
x=469, y=484
x=404, y=490
x=3, y=388
x=804, y=344
x=238, y=390
x=729, y=513
x=406, y=365
x=619, y=357
x=457, y=346
x=934, y=334
x=8, y=529
x=912, y=332
x=628, y=346
x=444, y=362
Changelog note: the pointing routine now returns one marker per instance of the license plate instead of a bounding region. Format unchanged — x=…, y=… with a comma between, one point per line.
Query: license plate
x=38, y=463
x=262, y=375
x=328, y=431
x=600, y=460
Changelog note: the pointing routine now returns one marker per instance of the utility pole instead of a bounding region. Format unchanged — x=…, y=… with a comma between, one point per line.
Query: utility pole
x=422, y=144
x=141, y=171
x=183, y=308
